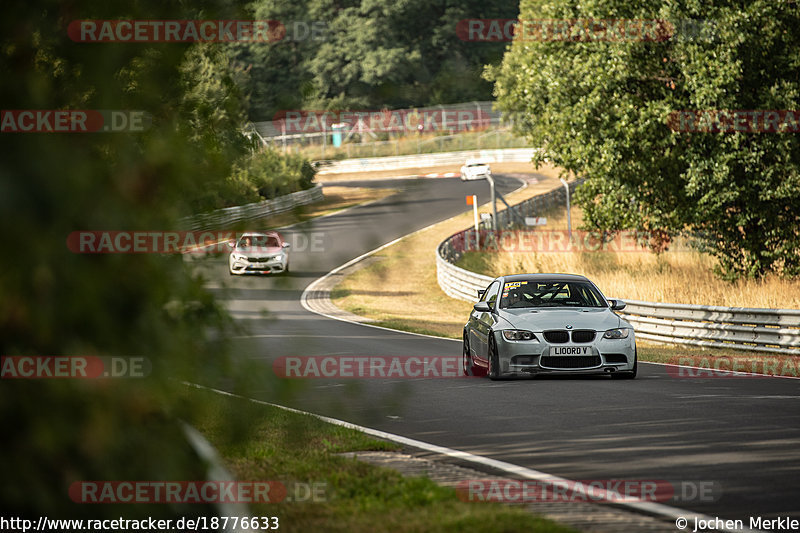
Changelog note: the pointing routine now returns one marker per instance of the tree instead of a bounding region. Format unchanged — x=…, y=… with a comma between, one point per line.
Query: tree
x=369, y=54
x=57, y=303
x=602, y=108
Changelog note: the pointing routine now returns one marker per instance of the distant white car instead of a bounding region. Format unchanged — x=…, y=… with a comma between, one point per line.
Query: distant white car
x=474, y=169
x=259, y=253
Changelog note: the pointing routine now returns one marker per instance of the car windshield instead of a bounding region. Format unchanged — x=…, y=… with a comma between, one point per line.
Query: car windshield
x=476, y=165
x=522, y=294
x=259, y=241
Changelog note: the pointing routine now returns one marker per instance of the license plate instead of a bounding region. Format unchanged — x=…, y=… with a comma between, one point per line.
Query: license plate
x=570, y=350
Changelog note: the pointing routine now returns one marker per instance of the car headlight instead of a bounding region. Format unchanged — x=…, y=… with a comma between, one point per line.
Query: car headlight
x=518, y=335
x=238, y=257
x=620, y=333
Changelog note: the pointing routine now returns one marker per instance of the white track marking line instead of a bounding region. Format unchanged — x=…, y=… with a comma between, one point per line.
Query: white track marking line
x=591, y=493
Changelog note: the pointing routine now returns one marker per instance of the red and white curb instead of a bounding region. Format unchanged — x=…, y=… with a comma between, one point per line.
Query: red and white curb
x=444, y=175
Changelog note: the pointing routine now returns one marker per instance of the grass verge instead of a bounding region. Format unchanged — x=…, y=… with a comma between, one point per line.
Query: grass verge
x=263, y=443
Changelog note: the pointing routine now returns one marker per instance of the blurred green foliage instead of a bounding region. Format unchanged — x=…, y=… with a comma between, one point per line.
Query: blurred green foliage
x=54, y=302
x=261, y=175
x=600, y=108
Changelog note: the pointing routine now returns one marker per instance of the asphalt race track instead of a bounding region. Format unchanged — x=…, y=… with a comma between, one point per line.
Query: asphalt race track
x=740, y=434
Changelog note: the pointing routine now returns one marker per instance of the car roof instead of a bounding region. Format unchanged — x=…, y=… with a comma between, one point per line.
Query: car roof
x=544, y=277
x=475, y=162
x=261, y=234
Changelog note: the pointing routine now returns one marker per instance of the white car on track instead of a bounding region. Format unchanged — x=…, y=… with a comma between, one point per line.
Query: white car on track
x=547, y=324
x=259, y=253
x=475, y=169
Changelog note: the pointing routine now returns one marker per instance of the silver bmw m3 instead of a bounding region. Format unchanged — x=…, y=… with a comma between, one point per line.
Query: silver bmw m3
x=547, y=324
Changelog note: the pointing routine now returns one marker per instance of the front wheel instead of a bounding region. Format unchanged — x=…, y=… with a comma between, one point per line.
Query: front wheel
x=494, y=360
x=466, y=358
x=630, y=374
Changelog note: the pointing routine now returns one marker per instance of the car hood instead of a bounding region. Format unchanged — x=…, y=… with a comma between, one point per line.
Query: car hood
x=541, y=319
x=253, y=250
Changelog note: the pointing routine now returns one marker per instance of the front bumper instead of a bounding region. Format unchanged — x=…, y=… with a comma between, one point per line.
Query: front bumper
x=270, y=266
x=600, y=356
x=473, y=177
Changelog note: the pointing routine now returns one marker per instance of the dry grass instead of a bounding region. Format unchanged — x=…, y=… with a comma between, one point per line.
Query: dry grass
x=678, y=277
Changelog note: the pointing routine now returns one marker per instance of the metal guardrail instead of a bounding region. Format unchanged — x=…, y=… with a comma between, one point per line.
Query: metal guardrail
x=451, y=248
x=457, y=282
x=230, y=216
x=522, y=155
x=739, y=328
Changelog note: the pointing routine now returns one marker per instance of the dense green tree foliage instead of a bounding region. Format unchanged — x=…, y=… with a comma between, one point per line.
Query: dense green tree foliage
x=600, y=108
x=54, y=302
x=369, y=54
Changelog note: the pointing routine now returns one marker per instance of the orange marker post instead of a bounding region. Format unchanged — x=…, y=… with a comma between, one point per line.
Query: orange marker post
x=473, y=201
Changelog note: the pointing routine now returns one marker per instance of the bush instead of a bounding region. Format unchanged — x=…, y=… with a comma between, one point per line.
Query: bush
x=270, y=174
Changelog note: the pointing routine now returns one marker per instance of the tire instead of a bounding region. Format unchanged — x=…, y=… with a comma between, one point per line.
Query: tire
x=494, y=361
x=467, y=365
x=630, y=374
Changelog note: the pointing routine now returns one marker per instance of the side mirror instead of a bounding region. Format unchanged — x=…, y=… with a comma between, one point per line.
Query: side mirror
x=617, y=305
x=482, y=307
x=286, y=245
x=230, y=244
